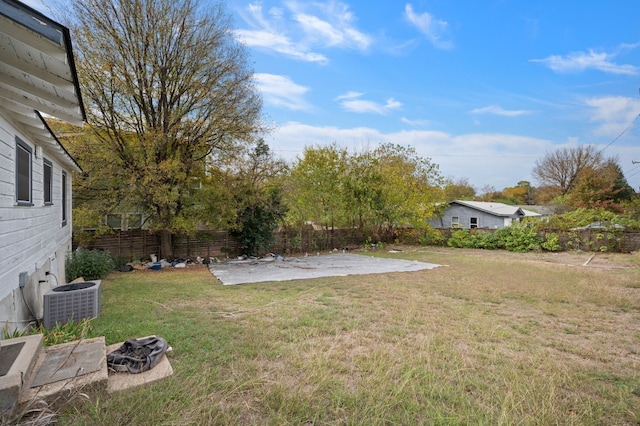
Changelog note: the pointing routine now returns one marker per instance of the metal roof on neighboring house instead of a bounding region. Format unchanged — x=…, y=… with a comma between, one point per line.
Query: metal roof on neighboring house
x=496, y=209
x=37, y=75
x=541, y=210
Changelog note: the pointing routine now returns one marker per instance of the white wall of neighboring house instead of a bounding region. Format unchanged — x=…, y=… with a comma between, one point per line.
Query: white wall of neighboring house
x=34, y=239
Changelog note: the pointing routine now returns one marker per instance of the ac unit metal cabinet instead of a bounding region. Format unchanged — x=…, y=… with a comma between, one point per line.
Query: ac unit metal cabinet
x=71, y=301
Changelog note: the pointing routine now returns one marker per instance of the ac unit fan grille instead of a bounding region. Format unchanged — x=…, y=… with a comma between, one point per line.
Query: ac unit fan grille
x=62, y=306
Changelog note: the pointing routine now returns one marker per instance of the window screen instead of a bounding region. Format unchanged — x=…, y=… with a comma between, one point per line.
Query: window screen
x=23, y=172
x=48, y=182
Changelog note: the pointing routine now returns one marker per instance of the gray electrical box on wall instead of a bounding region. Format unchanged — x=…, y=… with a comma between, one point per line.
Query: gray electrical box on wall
x=23, y=279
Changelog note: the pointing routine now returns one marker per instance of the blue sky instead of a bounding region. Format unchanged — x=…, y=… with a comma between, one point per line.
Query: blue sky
x=483, y=88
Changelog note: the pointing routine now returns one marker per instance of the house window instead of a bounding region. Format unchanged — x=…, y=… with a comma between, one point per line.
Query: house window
x=114, y=221
x=47, y=173
x=134, y=221
x=64, y=198
x=23, y=173
x=473, y=222
x=455, y=222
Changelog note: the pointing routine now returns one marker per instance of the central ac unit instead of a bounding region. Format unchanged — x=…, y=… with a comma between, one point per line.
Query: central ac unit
x=74, y=301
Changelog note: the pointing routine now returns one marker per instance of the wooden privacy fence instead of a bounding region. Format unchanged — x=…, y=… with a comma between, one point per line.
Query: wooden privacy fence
x=140, y=244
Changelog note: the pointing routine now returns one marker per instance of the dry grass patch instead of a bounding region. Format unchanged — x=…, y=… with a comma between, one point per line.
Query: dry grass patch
x=492, y=338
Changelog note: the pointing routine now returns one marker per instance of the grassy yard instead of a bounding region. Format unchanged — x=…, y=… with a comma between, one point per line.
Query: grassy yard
x=491, y=338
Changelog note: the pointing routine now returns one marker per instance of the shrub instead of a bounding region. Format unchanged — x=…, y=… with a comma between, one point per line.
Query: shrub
x=89, y=264
x=520, y=238
x=490, y=240
x=461, y=238
x=551, y=242
x=583, y=216
x=431, y=237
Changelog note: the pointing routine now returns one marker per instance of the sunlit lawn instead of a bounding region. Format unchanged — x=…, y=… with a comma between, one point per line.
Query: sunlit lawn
x=491, y=338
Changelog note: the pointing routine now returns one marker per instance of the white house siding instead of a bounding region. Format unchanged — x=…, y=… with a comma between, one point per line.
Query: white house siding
x=32, y=239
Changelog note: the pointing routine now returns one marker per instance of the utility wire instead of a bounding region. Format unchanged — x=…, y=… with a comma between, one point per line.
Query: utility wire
x=621, y=134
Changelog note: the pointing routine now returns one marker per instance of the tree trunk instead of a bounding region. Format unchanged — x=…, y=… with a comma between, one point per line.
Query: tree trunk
x=166, y=246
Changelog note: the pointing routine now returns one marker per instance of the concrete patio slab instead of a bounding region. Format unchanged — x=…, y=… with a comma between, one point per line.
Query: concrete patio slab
x=295, y=268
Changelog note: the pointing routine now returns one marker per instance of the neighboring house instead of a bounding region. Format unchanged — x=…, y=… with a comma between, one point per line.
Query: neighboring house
x=542, y=210
x=37, y=79
x=476, y=214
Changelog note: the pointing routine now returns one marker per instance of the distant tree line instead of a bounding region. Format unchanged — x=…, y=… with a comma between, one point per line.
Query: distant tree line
x=570, y=178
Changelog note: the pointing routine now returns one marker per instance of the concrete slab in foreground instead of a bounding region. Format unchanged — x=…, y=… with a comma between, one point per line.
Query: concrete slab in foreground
x=67, y=369
x=18, y=358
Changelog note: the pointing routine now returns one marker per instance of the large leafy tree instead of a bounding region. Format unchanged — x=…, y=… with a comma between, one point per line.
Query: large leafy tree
x=460, y=189
x=316, y=188
x=601, y=186
x=257, y=184
x=167, y=86
x=522, y=193
x=409, y=187
x=375, y=191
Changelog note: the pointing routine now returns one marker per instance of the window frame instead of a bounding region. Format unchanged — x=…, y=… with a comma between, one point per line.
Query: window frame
x=473, y=225
x=134, y=221
x=114, y=221
x=455, y=221
x=47, y=187
x=23, y=147
x=64, y=184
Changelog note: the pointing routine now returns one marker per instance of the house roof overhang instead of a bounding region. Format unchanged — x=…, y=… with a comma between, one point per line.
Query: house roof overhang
x=496, y=209
x=38, y=75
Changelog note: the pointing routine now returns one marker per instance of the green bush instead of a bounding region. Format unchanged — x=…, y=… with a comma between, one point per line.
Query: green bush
x=462, y=238
x=431, y=237
x=583, y=216
x=551, y=242
x=89, y=264
x=520, y=237
x=490, y=240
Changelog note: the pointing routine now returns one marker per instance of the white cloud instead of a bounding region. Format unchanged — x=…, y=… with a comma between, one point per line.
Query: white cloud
x=349, y=95
x=614, y=113
x=415, y=123
x=581, y=61
x=392, y=104
x=351, y=102
x=282, y=92
x=330, y=24
x=496, y=110
x=278, y=43
x=434, y=29
x=500, y=160
x=302, y=28
x=320, y=29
